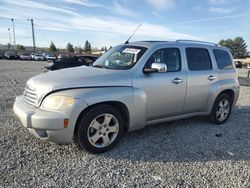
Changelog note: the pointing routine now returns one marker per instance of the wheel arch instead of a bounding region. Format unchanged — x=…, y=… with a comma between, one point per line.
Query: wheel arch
x=121, y=107
x=229, y=92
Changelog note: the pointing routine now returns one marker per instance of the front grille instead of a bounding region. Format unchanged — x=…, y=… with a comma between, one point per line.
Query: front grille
x=30, y=96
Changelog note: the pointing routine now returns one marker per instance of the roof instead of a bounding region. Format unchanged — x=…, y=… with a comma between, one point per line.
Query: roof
x=149, y=44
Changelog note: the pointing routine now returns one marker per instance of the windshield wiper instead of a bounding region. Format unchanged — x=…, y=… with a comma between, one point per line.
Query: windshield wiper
x=99, y=66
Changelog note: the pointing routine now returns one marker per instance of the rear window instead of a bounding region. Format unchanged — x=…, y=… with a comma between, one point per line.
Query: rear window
x=223, y=59
x=198, y=59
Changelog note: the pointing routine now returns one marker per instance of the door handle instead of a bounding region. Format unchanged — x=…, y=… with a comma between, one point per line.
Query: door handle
x=177, y=81
x=211, y=77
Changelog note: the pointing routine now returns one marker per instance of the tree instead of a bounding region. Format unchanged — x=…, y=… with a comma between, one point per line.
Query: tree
x=87, y=47
x=20, y=48
x=105, y=48
x=102, y=49
x=52, y=47
x=70, y=48
x=237, y=46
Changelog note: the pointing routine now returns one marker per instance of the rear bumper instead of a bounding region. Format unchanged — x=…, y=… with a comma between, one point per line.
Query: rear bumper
x=48, y=125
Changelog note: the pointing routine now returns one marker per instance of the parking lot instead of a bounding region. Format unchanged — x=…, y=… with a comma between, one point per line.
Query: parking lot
x=185, y=153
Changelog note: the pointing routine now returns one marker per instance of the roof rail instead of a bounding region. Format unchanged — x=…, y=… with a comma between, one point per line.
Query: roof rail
x=197, y=41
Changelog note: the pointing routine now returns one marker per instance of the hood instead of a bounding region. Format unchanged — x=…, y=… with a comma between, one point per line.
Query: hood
x=79, y=77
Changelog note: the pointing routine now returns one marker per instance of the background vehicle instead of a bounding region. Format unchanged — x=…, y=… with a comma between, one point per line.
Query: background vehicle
x=70, y=62
x=25, y=56
x=1, y=55
x=50, y=57
x=238, y=64
x=10, y=55
x=32, y=55
x=129, y=87
x=62, y=56
x=38, y=57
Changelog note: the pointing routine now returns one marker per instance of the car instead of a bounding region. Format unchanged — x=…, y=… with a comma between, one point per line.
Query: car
x=70, y=62
x=25, y=56
x=38, y=57
x=50, y=57
x=238, y=64
x=10, y=55
x=44, y=55
x=32, y=55
x=62, y=56
x=130, y=86
x=1, y=55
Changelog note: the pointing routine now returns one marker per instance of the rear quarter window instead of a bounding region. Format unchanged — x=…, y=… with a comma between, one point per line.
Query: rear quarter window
x=223, y=59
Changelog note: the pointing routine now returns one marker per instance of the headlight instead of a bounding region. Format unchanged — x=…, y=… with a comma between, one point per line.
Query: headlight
x=58, y=102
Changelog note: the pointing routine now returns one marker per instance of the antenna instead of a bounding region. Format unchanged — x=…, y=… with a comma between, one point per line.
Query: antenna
x=133, y=34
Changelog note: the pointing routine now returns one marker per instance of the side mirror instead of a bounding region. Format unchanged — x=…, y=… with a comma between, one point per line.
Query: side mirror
x=156, y=67
x=161, y=67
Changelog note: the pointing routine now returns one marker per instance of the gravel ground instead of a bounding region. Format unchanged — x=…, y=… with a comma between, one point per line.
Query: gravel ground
x=186, y=153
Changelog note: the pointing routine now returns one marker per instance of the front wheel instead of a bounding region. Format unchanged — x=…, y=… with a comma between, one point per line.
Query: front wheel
x=100, y=129
x=221, y=109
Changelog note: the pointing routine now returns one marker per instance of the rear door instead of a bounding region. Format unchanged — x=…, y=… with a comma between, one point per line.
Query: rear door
x=200, y=77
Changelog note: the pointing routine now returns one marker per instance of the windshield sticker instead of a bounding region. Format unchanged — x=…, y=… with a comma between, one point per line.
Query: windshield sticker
x=131, y=50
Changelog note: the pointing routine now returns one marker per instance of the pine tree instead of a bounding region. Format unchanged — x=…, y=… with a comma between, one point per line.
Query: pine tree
x=70, y=48
x=52, y=47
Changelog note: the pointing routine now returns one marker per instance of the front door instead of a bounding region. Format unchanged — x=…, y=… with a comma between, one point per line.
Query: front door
x=165, y=91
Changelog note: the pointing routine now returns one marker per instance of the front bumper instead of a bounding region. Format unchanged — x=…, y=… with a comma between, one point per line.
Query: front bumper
x=48, y=125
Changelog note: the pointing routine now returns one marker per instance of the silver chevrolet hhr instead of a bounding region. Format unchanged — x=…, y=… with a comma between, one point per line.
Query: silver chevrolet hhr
x=130, y=86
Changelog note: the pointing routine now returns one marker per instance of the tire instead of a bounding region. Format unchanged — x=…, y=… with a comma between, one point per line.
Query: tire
x=222, y=105
x=95, y=135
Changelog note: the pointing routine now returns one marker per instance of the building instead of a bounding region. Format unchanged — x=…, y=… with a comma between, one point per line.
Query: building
x=242, y=63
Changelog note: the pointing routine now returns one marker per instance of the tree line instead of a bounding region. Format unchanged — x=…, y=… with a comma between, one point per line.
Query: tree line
x=71, y=49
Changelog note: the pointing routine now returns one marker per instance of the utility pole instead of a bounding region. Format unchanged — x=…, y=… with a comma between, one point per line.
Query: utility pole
x=14, y=35
x=33, y=34
x=9, y=35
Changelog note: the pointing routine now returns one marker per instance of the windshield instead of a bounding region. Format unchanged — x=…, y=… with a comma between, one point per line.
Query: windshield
x=120, y=57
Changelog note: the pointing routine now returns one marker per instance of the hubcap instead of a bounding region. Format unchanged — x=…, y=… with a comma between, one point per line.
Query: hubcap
x=103, y=130
x=223, y=109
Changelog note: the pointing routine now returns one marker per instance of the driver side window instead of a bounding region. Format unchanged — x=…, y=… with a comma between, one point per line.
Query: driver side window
x=169, y=56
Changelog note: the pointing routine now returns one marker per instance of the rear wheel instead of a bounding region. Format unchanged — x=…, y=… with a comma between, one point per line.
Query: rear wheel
x=221, y=109
x=100, y=129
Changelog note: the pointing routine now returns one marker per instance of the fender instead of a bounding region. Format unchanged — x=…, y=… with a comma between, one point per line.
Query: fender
x=133, y=98
x=220, y=86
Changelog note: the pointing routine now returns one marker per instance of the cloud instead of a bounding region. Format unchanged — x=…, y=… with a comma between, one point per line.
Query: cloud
x=83, y=3
x=51, y=17
x=39, y=6
x=218, y=2
x=220, y=10
x=156, y=14
x=210, y=19
x=122, y=10
x=161, y=5
x=125, y=28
